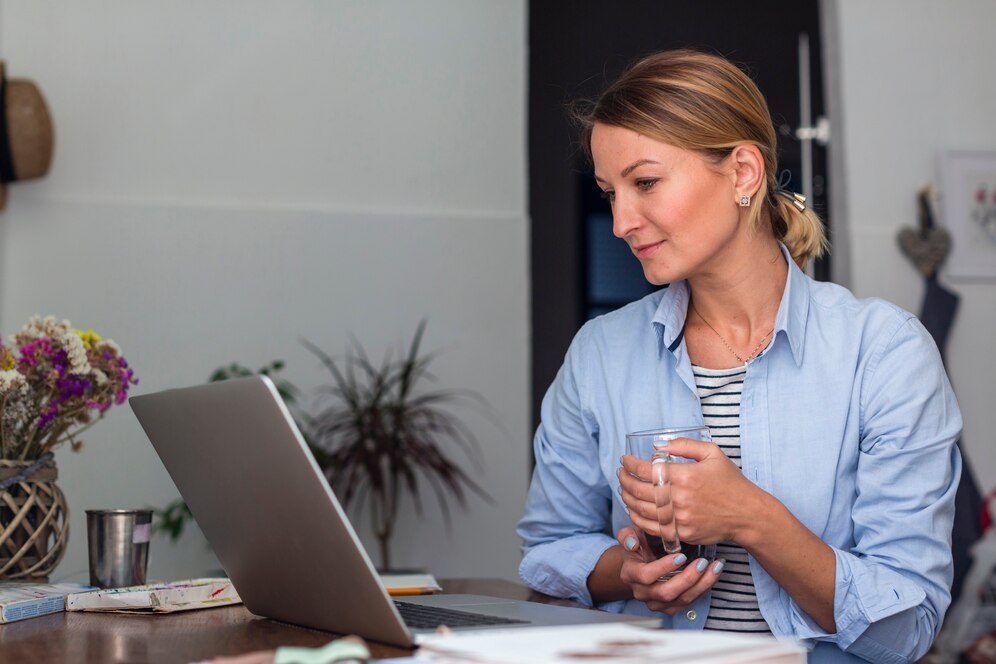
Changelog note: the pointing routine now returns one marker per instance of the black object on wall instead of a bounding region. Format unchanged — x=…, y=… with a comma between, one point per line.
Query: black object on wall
x=576, y=47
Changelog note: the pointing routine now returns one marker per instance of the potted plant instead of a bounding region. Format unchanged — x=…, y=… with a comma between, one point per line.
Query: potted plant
x=381, y=433
x=55, y=382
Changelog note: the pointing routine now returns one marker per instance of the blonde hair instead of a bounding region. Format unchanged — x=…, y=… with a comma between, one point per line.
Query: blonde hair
x=704, y=103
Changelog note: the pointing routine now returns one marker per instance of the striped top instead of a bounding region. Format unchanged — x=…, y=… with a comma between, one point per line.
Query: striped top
x=734, y=602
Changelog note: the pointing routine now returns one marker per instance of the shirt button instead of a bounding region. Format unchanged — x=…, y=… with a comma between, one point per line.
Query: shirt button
x=691, y=615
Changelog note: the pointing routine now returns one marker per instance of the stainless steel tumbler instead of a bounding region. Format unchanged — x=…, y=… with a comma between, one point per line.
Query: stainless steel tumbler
x=119, y=546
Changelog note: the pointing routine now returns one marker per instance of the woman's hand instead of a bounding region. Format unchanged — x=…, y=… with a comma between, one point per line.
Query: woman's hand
x=675, y=593
x=712, y=500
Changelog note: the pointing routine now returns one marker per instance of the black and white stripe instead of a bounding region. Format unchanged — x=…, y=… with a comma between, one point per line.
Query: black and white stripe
x=734, y=605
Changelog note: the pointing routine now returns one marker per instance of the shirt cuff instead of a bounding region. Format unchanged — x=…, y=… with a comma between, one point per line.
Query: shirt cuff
x=561, y=568
x=864, y=594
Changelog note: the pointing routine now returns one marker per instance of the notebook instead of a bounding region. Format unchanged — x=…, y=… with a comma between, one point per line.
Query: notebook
x=264, y=505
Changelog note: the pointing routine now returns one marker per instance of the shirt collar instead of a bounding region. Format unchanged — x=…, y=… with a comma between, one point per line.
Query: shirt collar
x=669, y=319
x=793, y=310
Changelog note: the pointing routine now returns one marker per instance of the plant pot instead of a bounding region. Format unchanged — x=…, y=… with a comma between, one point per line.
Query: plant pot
x=34, y=521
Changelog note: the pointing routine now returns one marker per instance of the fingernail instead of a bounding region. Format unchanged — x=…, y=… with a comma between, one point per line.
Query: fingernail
x=630, y=542
x=680, y=559
x=701, y=565
x=620, y=461
x=618, y=472
x=627, y=511
x=619, y=489
x=718, y=567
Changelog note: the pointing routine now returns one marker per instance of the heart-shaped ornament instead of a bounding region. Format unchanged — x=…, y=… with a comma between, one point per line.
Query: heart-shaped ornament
x=926, y=251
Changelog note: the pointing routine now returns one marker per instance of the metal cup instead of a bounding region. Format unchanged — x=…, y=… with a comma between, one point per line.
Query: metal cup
x=119, y=546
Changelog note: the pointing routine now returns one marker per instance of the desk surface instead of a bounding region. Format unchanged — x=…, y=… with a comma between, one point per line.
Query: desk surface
x=188, y=636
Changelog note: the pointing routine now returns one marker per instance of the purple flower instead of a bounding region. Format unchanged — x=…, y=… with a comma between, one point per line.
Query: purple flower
x=47, y=416
x=30, y=357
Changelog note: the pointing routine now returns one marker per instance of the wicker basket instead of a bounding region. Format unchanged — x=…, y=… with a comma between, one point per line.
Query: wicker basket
x=34, y=522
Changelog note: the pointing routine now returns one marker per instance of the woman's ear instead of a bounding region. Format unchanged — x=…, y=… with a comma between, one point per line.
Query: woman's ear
x=748, y=170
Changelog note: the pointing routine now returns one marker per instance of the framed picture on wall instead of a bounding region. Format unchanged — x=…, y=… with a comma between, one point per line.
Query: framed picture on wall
x=968, y=209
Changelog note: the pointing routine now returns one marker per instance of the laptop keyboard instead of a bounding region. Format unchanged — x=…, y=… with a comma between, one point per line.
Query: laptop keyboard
x=419, y=616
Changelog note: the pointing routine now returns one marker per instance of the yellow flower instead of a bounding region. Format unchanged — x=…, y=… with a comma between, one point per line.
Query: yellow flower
x=8, y=362
x=89, y=337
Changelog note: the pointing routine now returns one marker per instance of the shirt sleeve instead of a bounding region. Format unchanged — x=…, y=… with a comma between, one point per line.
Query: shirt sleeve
x=567, y=522
x=893, y=586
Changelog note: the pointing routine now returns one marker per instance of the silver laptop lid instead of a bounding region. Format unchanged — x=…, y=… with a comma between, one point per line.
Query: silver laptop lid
x=261, y=500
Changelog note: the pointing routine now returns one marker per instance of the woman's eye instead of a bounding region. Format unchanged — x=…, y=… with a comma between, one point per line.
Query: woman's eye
x=610, y=196
x=646, y=184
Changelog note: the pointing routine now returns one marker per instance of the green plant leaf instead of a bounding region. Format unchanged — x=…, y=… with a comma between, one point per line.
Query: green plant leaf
x=173, y=519
x=384, y=437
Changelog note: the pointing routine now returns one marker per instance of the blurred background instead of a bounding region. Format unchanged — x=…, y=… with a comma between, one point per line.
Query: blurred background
x=230, y=177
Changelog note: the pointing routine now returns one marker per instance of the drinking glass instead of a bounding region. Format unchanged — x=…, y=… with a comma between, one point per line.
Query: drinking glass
x=653, y=446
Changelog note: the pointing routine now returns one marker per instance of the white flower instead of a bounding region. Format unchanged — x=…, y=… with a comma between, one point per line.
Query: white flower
x=38, y=328
x=76, y=352
x=111, y=346
x=12, y=381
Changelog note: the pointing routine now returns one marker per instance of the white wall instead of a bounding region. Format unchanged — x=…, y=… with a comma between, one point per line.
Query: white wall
x=917, y=80
x=231, y=176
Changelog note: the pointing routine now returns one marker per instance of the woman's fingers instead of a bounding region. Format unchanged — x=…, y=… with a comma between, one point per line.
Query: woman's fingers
x=648, y=584
x=634, y=466
x=634, y=477
x=688, y=580
x=684, y=588
x=711, y=571
x=642, y=513
x=647, y=525
x=638, y=571
x=638, y=496
x=628, y=538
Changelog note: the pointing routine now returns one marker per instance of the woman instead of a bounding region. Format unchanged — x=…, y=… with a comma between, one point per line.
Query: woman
x=831, y=490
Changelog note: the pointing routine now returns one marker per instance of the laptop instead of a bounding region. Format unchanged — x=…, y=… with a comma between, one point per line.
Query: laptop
x=264, y=505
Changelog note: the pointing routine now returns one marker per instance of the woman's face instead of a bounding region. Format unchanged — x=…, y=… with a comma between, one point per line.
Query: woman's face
x=676, y=210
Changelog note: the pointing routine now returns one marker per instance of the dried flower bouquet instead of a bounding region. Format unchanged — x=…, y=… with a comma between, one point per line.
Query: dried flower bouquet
x=55, y=382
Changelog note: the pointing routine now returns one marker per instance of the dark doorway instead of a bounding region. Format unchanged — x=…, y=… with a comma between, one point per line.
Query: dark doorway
x=575, y=48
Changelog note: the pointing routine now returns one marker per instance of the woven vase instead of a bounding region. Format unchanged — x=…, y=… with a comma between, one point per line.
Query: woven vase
x=34, y=522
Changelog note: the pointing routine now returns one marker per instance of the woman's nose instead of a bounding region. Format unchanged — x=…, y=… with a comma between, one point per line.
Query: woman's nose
x=625, y=218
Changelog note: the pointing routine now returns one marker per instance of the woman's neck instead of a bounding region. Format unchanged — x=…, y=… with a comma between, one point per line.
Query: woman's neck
x=739, y=298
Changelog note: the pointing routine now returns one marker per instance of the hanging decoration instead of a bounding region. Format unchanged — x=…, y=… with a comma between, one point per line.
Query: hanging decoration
x=26, y=135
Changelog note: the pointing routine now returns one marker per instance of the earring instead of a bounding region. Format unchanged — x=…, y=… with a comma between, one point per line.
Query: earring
x=745, y=201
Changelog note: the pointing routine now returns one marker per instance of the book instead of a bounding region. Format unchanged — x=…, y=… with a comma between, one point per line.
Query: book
x=168, y=597
x=410, y=584
x=26, y=600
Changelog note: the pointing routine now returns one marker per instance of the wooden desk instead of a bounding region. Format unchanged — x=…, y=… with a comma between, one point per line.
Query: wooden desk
x=191, y=636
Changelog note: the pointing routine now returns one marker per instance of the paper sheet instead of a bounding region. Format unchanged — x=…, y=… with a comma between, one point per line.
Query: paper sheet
x=610, y=643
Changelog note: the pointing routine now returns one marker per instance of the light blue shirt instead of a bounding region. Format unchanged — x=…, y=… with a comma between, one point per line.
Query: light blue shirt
x=847, y=418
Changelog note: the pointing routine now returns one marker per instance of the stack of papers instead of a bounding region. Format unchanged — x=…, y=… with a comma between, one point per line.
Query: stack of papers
x=609, y=643
x=158, y=597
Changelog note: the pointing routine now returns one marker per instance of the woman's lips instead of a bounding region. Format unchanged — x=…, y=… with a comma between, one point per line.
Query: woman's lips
x=644, y=251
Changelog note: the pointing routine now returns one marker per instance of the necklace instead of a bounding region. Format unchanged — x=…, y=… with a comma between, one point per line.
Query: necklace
x=753, y=353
